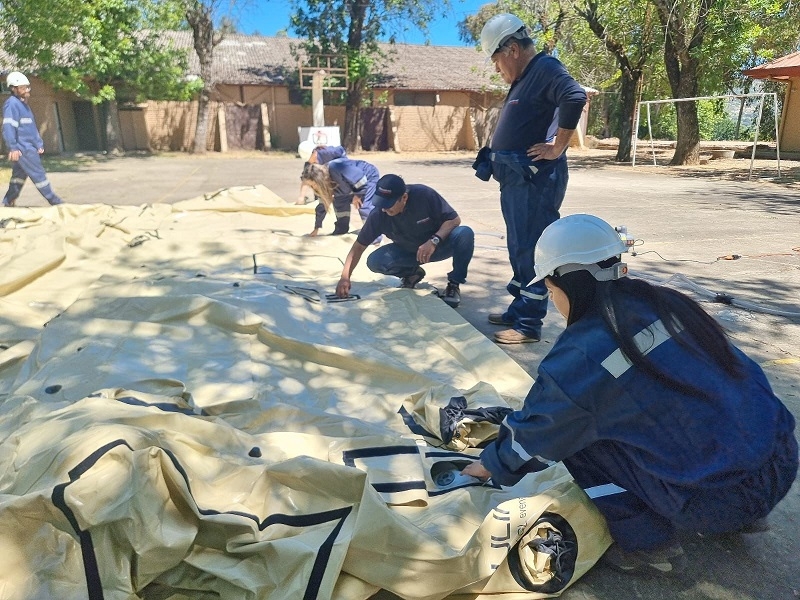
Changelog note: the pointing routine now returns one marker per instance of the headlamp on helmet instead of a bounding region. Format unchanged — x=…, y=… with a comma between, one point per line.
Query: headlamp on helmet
x=579, y=243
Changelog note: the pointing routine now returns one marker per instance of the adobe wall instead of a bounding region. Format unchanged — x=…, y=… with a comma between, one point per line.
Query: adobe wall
x=458, y=120
x=790, y=121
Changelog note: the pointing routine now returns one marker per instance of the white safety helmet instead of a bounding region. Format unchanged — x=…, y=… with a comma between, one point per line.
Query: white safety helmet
x=578, y=243
x=306, y=149
x=498, y=29
x=15, y=78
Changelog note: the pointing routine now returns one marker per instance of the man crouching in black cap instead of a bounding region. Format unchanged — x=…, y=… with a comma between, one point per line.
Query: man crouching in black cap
x=423, y=228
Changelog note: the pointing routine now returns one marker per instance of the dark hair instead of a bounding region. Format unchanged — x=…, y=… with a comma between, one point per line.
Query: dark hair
x=580, y=288
x=684, y=319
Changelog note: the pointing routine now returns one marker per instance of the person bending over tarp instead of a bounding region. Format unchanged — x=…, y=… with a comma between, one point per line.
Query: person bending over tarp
x=665, y=423
x=313, y=154
x=423, y=228
x=341, y=183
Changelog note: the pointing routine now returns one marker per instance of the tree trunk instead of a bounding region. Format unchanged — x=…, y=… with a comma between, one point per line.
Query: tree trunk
x=201, y=130
x=687, y=149
x=630, y=85
x=351, y=115
x=683, y=82
x=113, y=129
x=199, y=17
x=631, y=76
x=355, y=93
x=682, y=44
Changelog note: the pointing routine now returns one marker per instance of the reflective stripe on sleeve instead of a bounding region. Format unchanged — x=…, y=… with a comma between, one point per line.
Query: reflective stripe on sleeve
x=516, y=446
x=10, y=121
x=647, y=340
x=607, y=489
x=528, y=294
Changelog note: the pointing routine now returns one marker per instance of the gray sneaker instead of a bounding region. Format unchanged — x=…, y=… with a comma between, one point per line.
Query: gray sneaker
x=452, y=295
x=411, y=281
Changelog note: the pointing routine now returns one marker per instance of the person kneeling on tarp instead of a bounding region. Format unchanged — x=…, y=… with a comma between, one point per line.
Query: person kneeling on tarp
x=665, y=423
x=423, y=228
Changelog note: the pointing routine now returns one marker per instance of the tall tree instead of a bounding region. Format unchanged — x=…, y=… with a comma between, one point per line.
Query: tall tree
x=353, y=28
x=684, y=24
x=201, y=14
x=106, y=51
x=708, y=42
x=627, y=29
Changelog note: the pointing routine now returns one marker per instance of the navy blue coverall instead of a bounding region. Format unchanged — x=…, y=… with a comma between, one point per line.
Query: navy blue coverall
x=544, y=98
x=20, y=133
x=350, y=178
x=654, y=460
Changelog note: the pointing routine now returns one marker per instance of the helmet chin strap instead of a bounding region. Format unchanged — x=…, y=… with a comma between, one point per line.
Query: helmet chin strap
x=615, y=271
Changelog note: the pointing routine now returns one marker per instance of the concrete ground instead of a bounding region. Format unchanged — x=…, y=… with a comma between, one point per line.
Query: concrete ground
x=707, y=228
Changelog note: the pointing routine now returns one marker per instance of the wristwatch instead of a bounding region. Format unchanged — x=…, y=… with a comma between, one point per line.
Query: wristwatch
x=435, y=240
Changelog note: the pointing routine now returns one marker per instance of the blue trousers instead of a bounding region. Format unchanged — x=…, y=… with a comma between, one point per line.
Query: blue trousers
x=391, y=259
x=644, y=512
x=341, y=210
x=529, y=202
x=29, y=165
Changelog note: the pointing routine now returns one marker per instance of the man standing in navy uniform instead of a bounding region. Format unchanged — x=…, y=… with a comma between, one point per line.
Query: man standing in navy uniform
x=24, y=142
x=527, y=156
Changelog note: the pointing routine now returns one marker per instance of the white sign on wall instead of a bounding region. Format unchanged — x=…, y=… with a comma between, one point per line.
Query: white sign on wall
x=320, y=136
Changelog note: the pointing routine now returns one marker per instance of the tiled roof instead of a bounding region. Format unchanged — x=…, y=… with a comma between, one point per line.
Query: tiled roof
x=243, y=59
x=436, y=68
x=780, y=68
x=258, y=60
x=252, y=59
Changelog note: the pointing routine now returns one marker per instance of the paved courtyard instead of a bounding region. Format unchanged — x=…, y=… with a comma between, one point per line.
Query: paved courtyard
x=707, y=230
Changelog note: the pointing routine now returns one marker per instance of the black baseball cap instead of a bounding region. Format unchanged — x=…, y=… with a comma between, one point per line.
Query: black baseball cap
x=389, y=190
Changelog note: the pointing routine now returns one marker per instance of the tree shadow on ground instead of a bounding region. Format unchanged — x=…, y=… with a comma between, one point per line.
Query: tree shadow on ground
x=765, y=166
x=75, y=163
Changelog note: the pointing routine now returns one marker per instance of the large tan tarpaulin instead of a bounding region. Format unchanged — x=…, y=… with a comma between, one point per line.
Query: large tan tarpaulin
x=186, y=414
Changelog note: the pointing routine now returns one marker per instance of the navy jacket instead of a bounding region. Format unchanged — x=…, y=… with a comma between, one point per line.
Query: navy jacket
x=424, y=213
x=19, y=126
x=328, y=153
x=586, y=391
x=544, y=98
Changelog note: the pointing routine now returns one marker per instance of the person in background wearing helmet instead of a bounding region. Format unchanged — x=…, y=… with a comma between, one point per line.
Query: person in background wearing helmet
x=527, y=156
x=665, y=423
x=340, y=183
x=24, y=142
x=320, y=154
x=314, y=154
x=423, y=228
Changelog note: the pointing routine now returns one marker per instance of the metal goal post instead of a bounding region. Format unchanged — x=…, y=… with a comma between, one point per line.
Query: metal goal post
x=761, y=95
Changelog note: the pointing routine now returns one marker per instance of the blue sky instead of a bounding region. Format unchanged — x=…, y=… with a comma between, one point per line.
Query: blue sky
x=267, y=17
